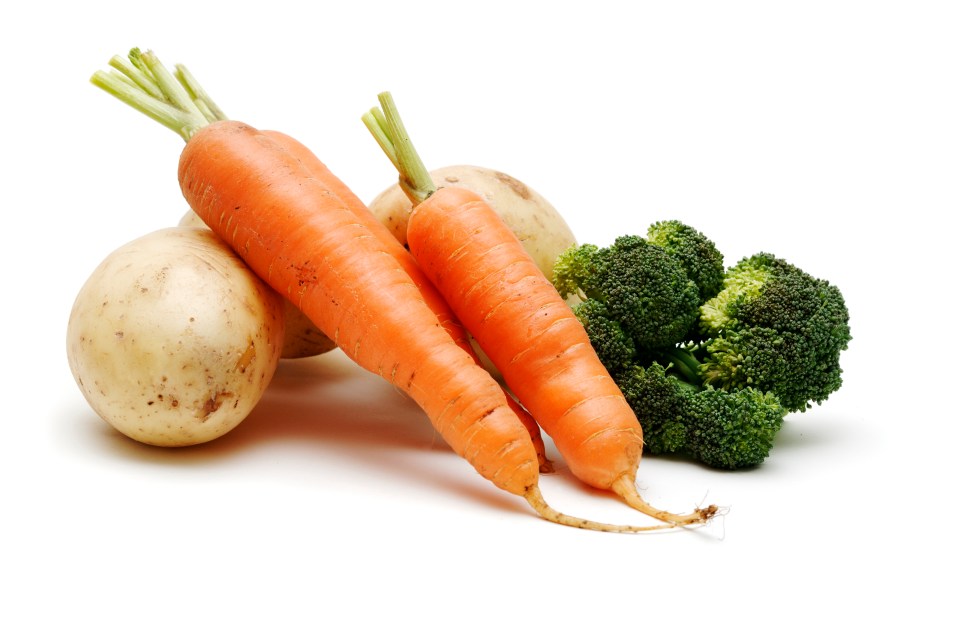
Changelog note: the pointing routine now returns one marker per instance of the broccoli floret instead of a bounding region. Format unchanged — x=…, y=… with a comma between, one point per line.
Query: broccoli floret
x=724, y=429
x=573, y=266
x=775, y=328
x=733, y=429
x=661, y=402
x=698, y=255
x=634, y=284
x=614, y=346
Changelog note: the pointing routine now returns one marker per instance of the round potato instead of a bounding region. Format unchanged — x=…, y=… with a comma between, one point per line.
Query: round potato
x=173, y=339
x=540, y=228
x=301, y=337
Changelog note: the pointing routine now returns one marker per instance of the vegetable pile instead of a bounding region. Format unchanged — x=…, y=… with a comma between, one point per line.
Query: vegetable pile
x=493, y=328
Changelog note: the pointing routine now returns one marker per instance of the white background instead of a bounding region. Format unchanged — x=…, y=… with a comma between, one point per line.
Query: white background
x=825, y=132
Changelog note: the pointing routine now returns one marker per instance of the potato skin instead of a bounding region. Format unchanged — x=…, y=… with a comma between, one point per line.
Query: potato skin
x=173, y=339
x=301, y=337
x=540, y=228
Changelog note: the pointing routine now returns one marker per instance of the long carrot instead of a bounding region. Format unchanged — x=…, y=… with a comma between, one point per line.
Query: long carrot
x=522, y=323
x=300, y=238
x=433, y=298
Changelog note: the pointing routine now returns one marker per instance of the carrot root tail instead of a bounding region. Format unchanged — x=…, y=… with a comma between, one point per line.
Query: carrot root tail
x=626, y=488
x=535, y=498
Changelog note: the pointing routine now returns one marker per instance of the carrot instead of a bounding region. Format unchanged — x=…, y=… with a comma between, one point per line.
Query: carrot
x=301, y=238
x=433, y=298
x=307, y=245
x=522, y=323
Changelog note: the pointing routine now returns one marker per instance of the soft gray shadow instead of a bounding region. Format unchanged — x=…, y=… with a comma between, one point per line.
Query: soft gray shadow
x=326, y=402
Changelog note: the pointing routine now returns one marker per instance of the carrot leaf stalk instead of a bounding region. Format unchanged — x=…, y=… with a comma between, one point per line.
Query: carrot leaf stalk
x=144, y=83
x=200, y=97
x=387, y=128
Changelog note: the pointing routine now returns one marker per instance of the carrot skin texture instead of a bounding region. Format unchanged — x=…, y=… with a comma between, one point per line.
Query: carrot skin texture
x=302, y=239
x=430, y=294
x=528, y=331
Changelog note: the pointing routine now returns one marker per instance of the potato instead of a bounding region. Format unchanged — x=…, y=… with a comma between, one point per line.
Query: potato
x=173, y=339
x=302, y=338
x=540, y=228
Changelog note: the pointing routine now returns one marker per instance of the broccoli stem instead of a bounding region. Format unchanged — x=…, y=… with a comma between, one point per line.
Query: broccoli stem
x=387, y=128
x=685, y=364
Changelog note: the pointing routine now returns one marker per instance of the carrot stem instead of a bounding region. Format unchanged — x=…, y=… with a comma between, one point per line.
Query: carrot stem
x=136, y=74
x=198, y=94
x=377, y=125
x=388, y=129
x=146, y=85
x=173, y=90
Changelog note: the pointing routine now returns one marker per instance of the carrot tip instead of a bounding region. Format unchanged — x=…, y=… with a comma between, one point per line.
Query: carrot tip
x=544, y=510
x=626, y=488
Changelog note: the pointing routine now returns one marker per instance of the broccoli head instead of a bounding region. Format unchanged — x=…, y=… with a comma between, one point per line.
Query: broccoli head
x=613, y=345
x=725, y=429
x=639, y=293
x=775, y=328
x=697, y=254
x=661, y=402
x=733, y=429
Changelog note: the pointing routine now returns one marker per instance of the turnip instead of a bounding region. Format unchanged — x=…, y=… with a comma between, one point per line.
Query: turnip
x=540, y=228
x=173, y=339
x=301, y=337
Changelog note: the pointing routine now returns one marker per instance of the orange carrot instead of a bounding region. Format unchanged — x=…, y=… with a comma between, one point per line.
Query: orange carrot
x=432, y=297
x=303, y=241
x=524, y=326
x=299, y=237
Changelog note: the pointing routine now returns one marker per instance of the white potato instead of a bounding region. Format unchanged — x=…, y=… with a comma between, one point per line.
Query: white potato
x=173, y=339
x=301, y=337
x=540, y=228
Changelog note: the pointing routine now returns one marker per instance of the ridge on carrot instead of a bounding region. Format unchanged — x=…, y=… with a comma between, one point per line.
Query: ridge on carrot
x=283, y=216
x=521, y=322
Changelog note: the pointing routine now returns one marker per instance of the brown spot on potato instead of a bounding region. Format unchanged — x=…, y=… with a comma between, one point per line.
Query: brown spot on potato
x=213, y=403
x=247, y=357
x=515, y=185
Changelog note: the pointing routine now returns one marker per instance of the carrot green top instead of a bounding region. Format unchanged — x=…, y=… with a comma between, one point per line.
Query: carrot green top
x=387, y=128
x=176, y=100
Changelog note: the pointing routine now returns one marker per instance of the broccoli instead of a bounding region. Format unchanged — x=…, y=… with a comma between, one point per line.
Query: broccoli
x=637, y=295
x=775, y=328
x=710, y=360
x=697, y=254
x=725, y=429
